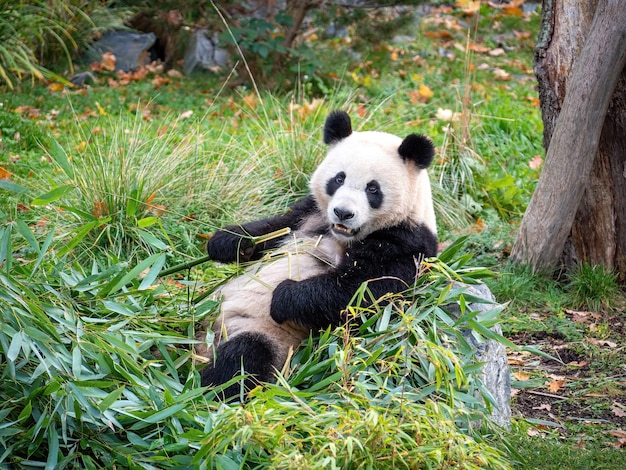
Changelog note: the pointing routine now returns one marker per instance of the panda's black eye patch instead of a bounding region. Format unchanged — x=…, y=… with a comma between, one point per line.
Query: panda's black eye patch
x=374, y=194
x=335, y=183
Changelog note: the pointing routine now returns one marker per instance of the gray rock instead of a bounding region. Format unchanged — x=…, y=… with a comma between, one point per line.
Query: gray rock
x=495, y=373
x=131, y=49
x=204, y=52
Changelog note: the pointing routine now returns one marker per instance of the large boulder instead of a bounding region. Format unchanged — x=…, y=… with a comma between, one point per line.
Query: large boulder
x=495, y=372
x=131, y=50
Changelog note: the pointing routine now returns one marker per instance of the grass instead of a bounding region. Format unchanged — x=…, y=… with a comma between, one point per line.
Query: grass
x=594, y=288
x=105, y=186
x=548, y=450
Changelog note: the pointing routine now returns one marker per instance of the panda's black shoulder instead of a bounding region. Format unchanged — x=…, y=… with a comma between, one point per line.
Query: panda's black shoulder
x=307, y=216
x=305, y=206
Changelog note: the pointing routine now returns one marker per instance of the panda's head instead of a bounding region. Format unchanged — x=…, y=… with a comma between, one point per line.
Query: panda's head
x=372, y=180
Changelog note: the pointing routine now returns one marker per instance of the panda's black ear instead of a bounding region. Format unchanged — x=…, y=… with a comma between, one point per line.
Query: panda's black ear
x=337, y=127
x=417, y=148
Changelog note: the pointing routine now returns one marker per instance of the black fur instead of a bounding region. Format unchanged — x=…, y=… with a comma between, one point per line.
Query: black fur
x=388, y=258
x=234, y=243
x=250, y=351
x=333, y=184
x=337, y=127
x=375, y=195
x=417, y=148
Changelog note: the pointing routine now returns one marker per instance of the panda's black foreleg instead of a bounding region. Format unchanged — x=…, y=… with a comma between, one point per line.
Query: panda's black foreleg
x=234, y=243
x=250, y=352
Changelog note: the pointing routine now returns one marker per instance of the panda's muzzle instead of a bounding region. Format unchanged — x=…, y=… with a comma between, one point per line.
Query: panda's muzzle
x=343, y=221
x=342, y=215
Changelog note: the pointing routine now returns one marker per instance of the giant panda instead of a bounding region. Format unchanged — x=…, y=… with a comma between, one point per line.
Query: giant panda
x=369, y=216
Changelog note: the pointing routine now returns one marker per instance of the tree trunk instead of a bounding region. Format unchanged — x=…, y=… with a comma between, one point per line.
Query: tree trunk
x=578, y=211
x=298, y=9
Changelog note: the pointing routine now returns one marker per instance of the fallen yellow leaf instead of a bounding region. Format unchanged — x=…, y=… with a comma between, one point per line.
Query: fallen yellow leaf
x=5, y=174
x=535, y=162
x=56, y=87
x=251, y=100
x=468, y=6
x=555, y=386
x=426, y=92
x=521, y=376
x=101, y=109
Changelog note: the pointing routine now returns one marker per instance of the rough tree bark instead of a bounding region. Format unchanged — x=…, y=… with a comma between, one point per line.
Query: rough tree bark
x=578, y=211
x=298, y=9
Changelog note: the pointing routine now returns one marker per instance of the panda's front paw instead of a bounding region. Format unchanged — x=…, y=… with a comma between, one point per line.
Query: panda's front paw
x=228, y=246
x=281, y=307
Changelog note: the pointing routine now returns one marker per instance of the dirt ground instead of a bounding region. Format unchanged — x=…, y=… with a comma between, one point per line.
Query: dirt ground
x=584, y=392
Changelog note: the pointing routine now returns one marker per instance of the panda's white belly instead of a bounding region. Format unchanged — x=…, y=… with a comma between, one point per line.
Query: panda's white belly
x=246, y=299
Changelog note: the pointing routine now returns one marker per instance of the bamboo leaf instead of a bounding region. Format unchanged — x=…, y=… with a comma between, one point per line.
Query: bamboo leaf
x=450, y=252
x=147, y=221
x=15, y=346
x=151, y=276
x=107, y=401
x=28, y=235
x=130, y=275
x=53, y=195
x=12, y=187
x=490, y=334
x=77, y=361
x=153, y=241
x=42, y=252
x=26, y=411
x=53, y=448
x=385, y=318
x=80, y=234
x=59, y=155
x=162, y=415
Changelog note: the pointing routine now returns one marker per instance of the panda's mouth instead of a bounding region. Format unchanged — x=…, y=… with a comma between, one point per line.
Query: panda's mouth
x=342, y=230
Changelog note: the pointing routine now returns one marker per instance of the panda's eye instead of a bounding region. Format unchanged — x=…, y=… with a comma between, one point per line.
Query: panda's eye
x=372, y=188
x=340, y=178
x=374, y=194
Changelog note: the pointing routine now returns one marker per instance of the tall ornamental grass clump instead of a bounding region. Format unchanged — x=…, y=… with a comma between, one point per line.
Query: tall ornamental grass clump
x=37, y=33
x=98, y=371
x=117, y=180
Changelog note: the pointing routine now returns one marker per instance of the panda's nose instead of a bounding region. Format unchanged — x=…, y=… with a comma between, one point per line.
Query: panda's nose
x=343, y=214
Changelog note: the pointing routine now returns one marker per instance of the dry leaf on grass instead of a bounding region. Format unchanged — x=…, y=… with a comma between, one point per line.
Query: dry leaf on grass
x=521, y=376
x=618, y=410
x=535, y=162
x=602, y=342
x=556, y=385
x=5, y=174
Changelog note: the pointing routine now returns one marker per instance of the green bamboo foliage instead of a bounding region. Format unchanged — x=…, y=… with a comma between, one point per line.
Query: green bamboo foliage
x=98, y=371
